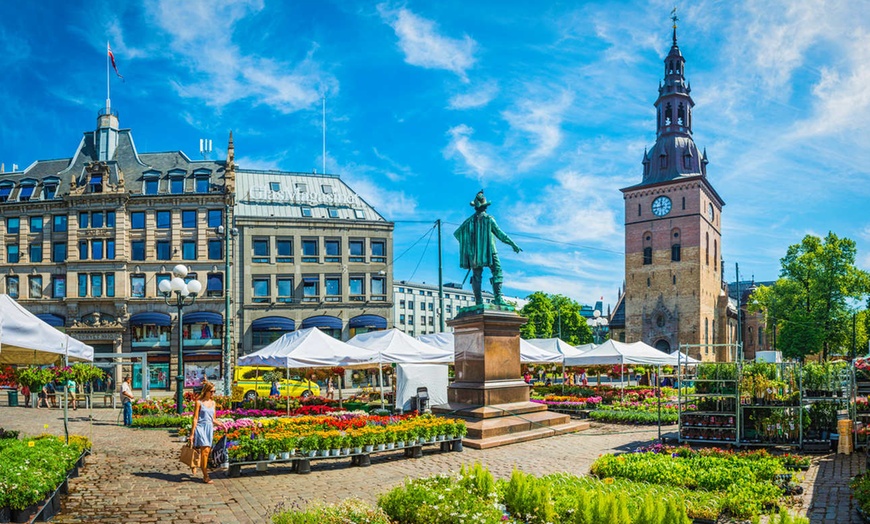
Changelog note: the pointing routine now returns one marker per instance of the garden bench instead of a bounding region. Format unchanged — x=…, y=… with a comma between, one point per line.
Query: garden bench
x=302, y=464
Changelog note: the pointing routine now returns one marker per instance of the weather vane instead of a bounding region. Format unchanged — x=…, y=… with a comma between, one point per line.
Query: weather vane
x=675, y=18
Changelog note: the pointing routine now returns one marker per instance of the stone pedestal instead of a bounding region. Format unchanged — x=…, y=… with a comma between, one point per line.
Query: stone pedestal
x=489, y=392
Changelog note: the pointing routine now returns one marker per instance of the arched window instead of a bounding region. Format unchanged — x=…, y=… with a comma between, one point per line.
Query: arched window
x=760, y=337
x=707, y=248
x=681, y=114
x=684, y=203
x=647, y=248
x=668, y=114
x=638, y=210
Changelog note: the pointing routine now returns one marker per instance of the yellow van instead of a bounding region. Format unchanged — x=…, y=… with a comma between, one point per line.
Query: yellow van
x=250, y=380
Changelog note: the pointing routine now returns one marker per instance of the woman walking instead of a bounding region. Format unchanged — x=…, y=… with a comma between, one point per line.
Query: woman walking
x=202, y=430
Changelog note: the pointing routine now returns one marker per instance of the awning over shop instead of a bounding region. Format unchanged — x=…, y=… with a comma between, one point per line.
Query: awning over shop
x=322, y=321
x=157, y=319
x=204, y=316
x=51, y=319
x=273, y=324
x=368, y=321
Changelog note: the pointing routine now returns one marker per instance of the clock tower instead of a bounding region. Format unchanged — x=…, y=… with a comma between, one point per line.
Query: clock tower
x=673, y=275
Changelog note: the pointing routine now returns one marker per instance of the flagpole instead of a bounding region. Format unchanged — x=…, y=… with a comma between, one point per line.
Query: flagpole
x=108, y=89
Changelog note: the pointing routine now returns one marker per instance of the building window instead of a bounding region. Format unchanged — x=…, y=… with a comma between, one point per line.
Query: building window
x=675, y=253
x=59, y=223
x=12, y=286
x=214, y=285
x=36, y=224
x=285, y=289
x=163, y=250
x=333, y=250
x=137, y=250
x=379, y=251
x=36, y=286
x=333, y=289
x=647, y=256
x=188, y=250
x=715, y=255
x=58, y=286
x=164, y=219
x=410, y=304
x=326, y=188
x=96, y=285
x=356, y=289
x=401, y=319
x=261, y=290
x=333, y=212
x=356, y=250
x=110, y=219
x=160, y=277
x=310, y=289
x=306, y=211
x=176, y=184
x=110, y=284
x=36, y=252
x=410, y=320
x=301, y=188
x=261, y=250
x=49, y=191
x=137, y=286
x=215, y=249
x=5, y=189
x=13, y=225
x=707, y=248
x=379, y=289
x=83, y=249
x=96, y=220
x=202, y=183
x=359, y=213
x=58, y=252
x=97, y=250
x=275, y=186
x=284, y=250
x=26, y=192
x=83, y=220
x=707, y=331
x=110, y=248
x=83, y=284
x=309, y=251
x=188, y=219
x=215, y=218
x=96, y=184
x=151, y=185
x=137, y=220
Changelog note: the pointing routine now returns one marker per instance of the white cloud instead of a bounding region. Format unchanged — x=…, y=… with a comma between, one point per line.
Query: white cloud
x=425, y=47
x=479, y=158
x=541, y=122
x=201, y=36
x=477, y=97
x=391, y=203
x=396, y=172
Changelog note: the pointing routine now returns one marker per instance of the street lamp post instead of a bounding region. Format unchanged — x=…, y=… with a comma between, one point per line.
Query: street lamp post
x=598, y=323
x=185, y=295
x=226, y=233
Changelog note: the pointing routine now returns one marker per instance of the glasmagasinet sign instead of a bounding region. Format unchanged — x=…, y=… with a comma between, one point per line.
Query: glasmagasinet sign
x=265, y=194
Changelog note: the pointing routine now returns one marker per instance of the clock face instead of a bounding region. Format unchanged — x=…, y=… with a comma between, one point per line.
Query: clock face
x=661, y=206
x=710, y=212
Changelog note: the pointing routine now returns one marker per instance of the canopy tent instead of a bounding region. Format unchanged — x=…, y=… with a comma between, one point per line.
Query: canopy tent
x=25, y=339
x=557, y=345
x=529, y=354
x=395, y=347
x=684, y=358
x=585, y=347
x=309, y=348
x=612, y=352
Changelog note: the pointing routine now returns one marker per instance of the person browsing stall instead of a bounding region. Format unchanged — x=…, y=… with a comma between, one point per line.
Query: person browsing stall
x=202, y=429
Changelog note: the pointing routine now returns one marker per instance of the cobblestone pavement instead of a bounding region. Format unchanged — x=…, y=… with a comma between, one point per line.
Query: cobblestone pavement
x=134, y=475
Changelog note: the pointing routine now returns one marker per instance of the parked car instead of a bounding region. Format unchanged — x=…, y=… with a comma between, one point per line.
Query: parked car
x=250, y=379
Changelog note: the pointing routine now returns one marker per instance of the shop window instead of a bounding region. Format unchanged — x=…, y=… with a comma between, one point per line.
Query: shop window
x=12, y=286
x=137, y=286
x=35, y=286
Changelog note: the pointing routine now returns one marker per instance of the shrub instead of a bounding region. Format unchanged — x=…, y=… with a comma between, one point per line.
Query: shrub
x=349, y=511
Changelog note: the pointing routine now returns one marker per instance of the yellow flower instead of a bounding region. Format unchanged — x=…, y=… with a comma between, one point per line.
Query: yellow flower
x=31, y=444
x=608, y=480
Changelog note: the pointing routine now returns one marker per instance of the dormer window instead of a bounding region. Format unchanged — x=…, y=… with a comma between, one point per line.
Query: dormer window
x=301, y=188
x=49, y=191
x=202, y=183
x=26, y=191
x=151, y=183
x=176, y=183
x=275, y=186
x=95, y=185
x=327, y=189
x=5, y=190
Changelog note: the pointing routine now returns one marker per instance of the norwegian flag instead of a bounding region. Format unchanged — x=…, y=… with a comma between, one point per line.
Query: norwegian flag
x=112, y=58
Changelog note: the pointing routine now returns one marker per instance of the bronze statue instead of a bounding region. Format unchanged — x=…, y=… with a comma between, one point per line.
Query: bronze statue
x=477, y=250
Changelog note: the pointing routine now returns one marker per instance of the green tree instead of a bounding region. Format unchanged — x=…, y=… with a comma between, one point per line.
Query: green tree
x=555, y=315
x=809, y=305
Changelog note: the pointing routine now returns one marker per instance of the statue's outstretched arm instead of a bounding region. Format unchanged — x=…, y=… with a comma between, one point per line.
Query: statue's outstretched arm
x=501, y=235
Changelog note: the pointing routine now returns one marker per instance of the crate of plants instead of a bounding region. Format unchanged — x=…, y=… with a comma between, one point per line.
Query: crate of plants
x=34, y=473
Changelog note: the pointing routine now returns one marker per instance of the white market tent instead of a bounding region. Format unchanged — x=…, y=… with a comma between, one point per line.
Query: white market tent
x=558, y=346
x=309, y=348
x=395, y=347
x=26, y=339
x=685, y=358
x=529, y=353
x=612, y=352
x=585, y=347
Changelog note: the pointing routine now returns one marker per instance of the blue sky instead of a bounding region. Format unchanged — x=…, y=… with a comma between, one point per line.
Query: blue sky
x=547, y=106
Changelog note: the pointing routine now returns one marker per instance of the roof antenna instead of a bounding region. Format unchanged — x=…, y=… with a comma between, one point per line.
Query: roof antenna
x=204, y=147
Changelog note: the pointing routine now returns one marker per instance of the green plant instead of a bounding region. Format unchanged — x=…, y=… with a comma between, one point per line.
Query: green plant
x=529, y=499
x=442, y=499
x=347, y=511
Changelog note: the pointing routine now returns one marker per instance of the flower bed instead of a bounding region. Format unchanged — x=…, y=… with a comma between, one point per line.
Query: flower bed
x=861, y=493
x=32, y=469
x=568, y=402
x=748, y=483
x=473, y=495
x=183, y=421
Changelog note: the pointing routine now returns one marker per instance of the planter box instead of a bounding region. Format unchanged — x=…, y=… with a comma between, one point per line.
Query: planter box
x=23, y=515
x=5, y=514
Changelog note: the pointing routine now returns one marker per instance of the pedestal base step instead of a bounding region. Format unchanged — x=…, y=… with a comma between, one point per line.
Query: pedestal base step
x=525, y=436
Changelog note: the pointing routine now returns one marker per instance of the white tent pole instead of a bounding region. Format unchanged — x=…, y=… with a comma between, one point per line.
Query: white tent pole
x=66, y=392
x=287, y=384
x=381, y=378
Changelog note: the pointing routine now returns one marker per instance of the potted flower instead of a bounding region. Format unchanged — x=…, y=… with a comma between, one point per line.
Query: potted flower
x=390, y=437
x=309, y=444
x=344, y=444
